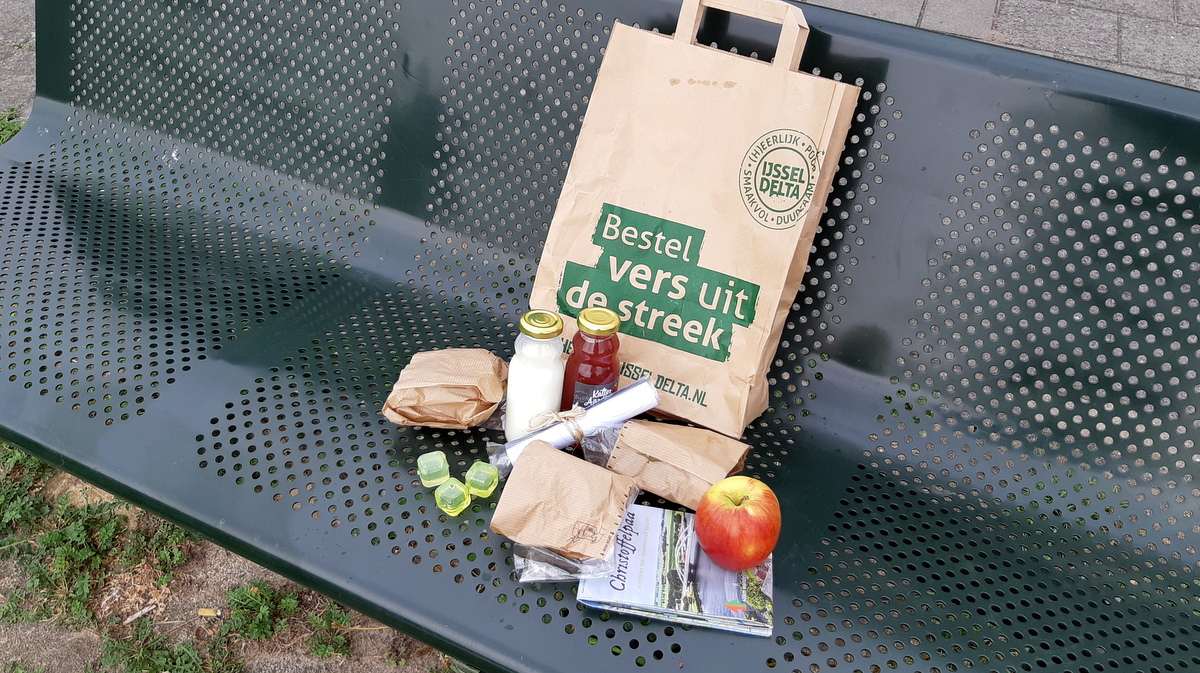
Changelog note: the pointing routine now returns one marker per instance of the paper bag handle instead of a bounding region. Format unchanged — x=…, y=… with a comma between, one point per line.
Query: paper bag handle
x=792, y=37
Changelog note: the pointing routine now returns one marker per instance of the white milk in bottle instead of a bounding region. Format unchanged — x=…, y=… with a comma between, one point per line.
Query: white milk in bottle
x=535, y=374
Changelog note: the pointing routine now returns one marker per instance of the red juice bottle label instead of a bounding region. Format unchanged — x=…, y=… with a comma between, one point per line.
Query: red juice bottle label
x=587, y=394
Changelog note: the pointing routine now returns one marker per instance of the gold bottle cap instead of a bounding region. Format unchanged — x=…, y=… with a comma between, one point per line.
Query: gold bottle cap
x=541, y=324
x=598, y=321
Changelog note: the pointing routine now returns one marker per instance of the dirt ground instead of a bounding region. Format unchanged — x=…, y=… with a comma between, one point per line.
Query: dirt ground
x=212, y=571
x=201, y=583
x=50, y=647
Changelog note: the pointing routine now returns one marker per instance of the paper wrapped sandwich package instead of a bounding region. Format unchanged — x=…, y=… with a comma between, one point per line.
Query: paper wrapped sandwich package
x=556, y=501
x=455, y=388
x=675, y=462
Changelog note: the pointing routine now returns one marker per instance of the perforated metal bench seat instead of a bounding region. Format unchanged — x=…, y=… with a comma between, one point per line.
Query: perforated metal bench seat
x=228, y=225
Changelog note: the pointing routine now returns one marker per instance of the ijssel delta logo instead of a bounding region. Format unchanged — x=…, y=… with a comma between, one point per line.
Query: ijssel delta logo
x=778, y=178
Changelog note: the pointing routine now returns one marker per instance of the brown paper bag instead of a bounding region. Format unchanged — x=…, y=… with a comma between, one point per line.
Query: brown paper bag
x=690, y=206
x=455, y=388
x=557, y=501
x=675, y=462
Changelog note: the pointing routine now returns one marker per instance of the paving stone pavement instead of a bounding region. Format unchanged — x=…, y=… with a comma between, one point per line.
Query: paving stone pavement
x=1156, y=39
x=16, y=54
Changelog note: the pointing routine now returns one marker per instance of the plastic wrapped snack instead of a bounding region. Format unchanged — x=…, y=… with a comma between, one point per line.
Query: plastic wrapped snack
x=537, y=564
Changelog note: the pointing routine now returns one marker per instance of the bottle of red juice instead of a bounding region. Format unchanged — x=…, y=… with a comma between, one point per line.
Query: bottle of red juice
x=593, y=369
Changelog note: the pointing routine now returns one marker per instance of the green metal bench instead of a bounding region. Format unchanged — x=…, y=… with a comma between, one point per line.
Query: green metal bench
x=227, y=225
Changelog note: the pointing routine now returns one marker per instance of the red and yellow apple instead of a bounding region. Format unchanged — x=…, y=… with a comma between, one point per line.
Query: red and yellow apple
x=738, y=522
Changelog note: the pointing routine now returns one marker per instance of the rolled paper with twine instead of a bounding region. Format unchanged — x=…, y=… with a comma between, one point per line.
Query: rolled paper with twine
x=569, y=417
x=568, y=428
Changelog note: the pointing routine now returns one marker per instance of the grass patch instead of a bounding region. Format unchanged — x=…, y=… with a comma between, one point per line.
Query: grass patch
x=145, y=651
x=258, y=611
x=20, y=506
x=67, y=562
x=10, y=123
x=61, y=548
x=66, y=551
x=330, y=634
x=164, y=548
x=18, y=667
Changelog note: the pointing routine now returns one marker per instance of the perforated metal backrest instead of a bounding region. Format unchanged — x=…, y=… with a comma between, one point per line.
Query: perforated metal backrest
x=241, y=220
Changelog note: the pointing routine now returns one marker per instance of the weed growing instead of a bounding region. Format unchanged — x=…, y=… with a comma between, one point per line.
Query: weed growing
x=62, y=549
x=145, y=651
x=330, y=635
x=20, y=505
x=164, y=548
x=68, y=561
x=66, y=551
x=10, y=123
x=18, y=667
x=258, y=611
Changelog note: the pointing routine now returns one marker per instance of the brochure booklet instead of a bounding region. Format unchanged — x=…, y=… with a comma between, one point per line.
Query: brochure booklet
x=660, y=572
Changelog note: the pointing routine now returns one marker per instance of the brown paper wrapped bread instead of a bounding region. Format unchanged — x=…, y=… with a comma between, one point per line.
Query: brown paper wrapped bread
x=455, y=388
x=675, y=462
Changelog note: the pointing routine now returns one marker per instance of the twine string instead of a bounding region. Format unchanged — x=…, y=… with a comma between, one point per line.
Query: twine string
x=569, y=418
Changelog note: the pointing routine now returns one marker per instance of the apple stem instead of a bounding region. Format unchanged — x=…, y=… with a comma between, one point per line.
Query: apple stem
x=739, y=501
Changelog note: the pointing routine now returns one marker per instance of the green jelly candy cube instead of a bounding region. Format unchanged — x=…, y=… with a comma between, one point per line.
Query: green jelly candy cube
x=452, y=497
x=432, y=468
x=482, y=478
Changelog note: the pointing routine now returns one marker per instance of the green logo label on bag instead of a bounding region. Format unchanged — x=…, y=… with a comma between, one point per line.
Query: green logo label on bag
x=778, y=178
x=649, y=273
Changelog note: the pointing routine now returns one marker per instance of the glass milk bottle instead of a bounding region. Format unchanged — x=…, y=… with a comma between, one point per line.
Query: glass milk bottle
x=535, y=374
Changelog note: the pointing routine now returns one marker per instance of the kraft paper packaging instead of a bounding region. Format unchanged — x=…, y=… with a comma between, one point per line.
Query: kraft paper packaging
x=558, y=502
x=675, y=462
x=690, y=206
x=455, y=388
